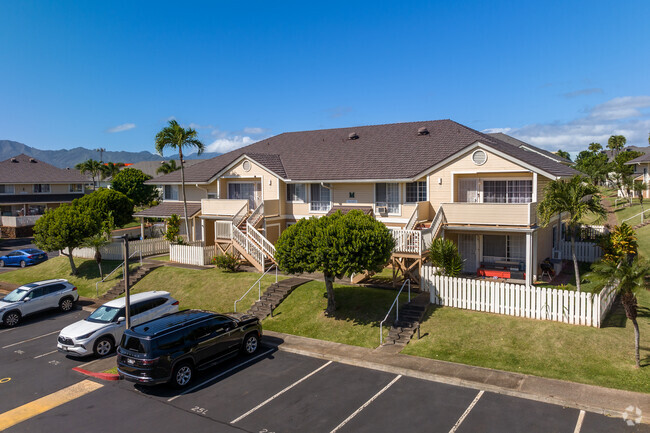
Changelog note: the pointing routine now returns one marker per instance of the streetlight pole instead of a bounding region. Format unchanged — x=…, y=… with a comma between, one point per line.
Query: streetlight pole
x=125, y=267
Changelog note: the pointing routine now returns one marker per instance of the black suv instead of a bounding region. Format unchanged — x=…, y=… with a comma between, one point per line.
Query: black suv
x=173, y=347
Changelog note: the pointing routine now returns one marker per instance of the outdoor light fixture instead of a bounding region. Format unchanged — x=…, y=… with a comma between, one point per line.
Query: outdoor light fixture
x=439, y=181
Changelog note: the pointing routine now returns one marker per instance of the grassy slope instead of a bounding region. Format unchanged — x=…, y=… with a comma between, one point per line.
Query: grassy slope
x=356, y=321
x=209, y=289
x=59, y=267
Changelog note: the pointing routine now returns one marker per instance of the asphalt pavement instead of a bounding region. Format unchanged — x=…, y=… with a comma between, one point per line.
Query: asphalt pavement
x=272, y=391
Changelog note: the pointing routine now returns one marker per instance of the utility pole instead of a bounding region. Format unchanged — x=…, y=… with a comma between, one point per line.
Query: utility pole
x=125, y=268
x=101, y=151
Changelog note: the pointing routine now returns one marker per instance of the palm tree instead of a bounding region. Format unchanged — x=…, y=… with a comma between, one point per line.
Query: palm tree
x=627, y=278
x=167, y=167
x=91, y=167
x=96, y=242
x=110, y=169
x=639, y=189
x=444, y=255
x=577, y=198
x=175, y=136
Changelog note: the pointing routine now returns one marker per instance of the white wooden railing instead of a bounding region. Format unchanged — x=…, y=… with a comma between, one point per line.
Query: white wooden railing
x=542, y=303
x=414, y=219
x=113, y=251
x=223, y=229
x=19, y=221
x=585, y=251
x=257, y=215
x=429, y=234
x=261, y=240
x=407, y=241
x=240, y=215
x=192, y=254
x=248, y=245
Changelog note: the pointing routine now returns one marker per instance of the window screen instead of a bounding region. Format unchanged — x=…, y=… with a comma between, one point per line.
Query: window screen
x=416, y=191
x=296, y=192
x=494, y=246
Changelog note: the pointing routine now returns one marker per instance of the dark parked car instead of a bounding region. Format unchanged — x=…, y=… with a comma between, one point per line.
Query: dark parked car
x=174, y=347
x=22, y=258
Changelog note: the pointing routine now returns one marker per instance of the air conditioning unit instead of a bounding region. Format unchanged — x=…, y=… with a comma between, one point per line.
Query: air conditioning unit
x=382, y=210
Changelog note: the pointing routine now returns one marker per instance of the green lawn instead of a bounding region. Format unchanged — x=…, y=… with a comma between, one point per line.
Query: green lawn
x=59, y=267
x=210, y=289
x=164, y=258
x=583, y=354
x=356, y=321
x=623, y=213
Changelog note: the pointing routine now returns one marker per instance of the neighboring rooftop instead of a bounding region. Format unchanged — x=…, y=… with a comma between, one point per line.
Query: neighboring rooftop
x=523, y=145
x=167, y=208
x=392, y=151
x=25, y=169
x=645, y=150
x=150, y=167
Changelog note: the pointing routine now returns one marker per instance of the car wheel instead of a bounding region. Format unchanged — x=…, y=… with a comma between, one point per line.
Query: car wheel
x=2, y=263
x=182, y=375
x=66, y=304
x=103, y=346
x=251, y=344
x=22, y=264
x=11, y=319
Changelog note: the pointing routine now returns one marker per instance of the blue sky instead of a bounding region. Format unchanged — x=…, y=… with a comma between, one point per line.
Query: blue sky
x=110, y=74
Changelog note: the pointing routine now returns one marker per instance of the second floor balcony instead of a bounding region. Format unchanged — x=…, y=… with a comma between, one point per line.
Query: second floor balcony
x=491, y=214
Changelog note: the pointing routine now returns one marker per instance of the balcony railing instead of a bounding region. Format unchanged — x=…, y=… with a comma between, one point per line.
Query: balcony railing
x=19, y=221
x=502, y=214
x=320, y=206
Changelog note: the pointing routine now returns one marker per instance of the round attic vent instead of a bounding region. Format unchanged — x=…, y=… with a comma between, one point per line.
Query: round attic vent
x=353, y=136
x=246, y=166
x=479, y=157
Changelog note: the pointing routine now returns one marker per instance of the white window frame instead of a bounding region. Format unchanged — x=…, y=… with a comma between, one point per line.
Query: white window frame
x=13, y=189
x=71, y=187
x=328, y=204
x=41, y=185
x=386, y=203
x=294, y=185
x=417, y=193
x=172, y=188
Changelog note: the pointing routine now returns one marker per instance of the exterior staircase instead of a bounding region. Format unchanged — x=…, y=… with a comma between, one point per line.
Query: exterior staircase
x=274, y=295
x=134, y=277
x=410, y=316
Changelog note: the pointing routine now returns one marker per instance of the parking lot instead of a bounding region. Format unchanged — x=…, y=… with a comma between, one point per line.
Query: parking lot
x=273, y=391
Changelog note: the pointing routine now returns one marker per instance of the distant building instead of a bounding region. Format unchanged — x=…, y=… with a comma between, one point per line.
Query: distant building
x=28, y=187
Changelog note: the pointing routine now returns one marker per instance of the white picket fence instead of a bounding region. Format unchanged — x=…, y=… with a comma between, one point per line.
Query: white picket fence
x=191, y=254
x=113, y=251
x=517, y=300
x=585, y=251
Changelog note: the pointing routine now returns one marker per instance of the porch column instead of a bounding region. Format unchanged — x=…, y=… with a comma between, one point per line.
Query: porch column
x=529, y=259
x=141, y=227
x=203, y=230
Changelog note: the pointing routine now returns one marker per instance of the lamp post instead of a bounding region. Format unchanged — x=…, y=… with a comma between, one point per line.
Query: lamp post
x=125, y=267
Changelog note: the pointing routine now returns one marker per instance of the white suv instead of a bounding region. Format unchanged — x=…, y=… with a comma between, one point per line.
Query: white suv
x=100, y=332
x=35, y=297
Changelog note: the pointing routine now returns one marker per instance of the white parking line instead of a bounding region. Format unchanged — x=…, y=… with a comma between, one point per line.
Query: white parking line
x=581, y=418
x=219, y=375
x=45, y=354
x=6, y=330
x=280, y=393
x=467, y=411
x=31, y=339
x=374, y=397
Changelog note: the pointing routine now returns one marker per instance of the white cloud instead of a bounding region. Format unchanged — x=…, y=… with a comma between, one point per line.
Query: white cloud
x=121, y=128
x=619, y=116
x=254, y=130
x=227, y=143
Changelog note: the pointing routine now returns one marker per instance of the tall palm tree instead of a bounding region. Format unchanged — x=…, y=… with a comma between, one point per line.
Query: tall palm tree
x=110, y=169
x=168, y=167
x=627, y=278
x=575, y=197
x=175, y=136
x=91, y=167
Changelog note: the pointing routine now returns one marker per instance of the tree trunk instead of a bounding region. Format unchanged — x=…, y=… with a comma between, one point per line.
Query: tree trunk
x=630, y=305
x=329, y=285
x=187, y=225
x=98, y=259
x=636, y=343
x=575, y=259
x=72, y=266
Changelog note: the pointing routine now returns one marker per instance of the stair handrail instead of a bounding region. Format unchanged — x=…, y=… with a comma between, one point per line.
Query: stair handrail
x=432, y=231
x=240, y=215
x=414, y=218
x=257, y=215
x=642, y=216
x=258, y=237
x=249, y=246
x=395, y=302
x=259, y=285
x=111, y=273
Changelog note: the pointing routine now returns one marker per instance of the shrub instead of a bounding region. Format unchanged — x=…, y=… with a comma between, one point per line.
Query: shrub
x=227, y=262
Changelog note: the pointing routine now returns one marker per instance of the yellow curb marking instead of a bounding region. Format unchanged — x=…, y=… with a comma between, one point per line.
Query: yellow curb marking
x=43, y=404
x=5, y=379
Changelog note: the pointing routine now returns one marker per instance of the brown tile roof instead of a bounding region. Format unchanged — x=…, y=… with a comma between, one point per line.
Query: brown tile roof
x=25, y=169
x=166, y=209
x=393, y=151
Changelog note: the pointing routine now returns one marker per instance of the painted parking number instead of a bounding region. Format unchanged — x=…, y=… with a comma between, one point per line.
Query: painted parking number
x=5, y=379
x=199, y=410
x=266, y=431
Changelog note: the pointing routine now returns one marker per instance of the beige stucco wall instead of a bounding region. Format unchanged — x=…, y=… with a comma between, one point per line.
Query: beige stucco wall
x=256, y=173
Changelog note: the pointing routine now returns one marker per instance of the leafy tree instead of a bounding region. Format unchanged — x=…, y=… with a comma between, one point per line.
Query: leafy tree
x=101, y=239
x=576, y=198
x=627, y=278
x=91, y=167
x=173, y=229
x=65, y=227
x=131, y=182
x=110, y=169
x=639, y=189
x=335, y=245
x=593, y=163
x=616, y=143
x=621, y=173
x=167, y=167
x=563, y=154
x=107, y=202
x=445, y=256
x=176, y=137
x=595, y=147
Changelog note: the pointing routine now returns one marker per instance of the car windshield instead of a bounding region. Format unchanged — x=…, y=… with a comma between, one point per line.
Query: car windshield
x=16, y=295
x=33, y=251
x=105, y=314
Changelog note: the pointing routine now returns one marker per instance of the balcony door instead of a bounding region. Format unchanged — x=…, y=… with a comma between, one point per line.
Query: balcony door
x=467, y=247
x=468, y=191
x=251, y=191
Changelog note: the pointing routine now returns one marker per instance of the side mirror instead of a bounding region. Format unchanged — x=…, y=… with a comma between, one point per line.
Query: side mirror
x=28, y=298
x=121, y=319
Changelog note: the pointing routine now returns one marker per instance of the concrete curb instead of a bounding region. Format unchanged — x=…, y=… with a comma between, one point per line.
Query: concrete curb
x=102, y=376
x=606, y=401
